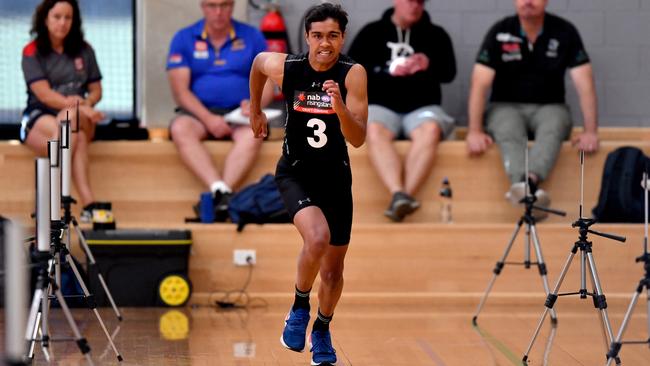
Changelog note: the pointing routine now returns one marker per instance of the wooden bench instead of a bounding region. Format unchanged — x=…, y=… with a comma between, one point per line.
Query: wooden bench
x=415, y=262
x=419, y=260
x=147, y=182
x=604, y=133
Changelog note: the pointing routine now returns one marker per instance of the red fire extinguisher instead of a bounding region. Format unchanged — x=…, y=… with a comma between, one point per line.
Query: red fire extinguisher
x=272, y=25
x=275, y=32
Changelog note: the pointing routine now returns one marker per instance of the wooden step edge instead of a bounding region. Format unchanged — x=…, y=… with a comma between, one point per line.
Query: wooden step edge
x=614, y=299
x=223, y=228
x=162, y=133
x=275, y=146
x=253, y=228
x=99, y=147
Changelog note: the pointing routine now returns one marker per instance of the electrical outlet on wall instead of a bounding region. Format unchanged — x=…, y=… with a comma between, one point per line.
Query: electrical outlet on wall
x=243, y=349
x=244, y=257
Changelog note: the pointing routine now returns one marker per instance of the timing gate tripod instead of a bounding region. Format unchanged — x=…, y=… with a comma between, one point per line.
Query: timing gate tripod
x=586, y=260
x=644, y=283
x=60, y=250
x=531, y=236
x=46, y=284
x=67, y=201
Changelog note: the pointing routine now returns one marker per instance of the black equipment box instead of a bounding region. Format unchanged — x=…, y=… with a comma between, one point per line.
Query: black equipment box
x=140, y=267
x=121, y=129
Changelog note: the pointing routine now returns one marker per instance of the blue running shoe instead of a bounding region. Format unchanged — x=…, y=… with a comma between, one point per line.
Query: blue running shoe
x=295, y=328
x=321, y=347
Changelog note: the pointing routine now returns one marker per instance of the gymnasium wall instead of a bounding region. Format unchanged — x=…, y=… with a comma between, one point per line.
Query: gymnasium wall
x=615, y=32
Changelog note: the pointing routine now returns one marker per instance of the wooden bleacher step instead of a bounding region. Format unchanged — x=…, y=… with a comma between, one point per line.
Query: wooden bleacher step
x=399, y=260
x=147, y=183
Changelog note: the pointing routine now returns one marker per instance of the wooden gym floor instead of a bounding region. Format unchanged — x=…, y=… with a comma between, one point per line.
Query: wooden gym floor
x=382, y=333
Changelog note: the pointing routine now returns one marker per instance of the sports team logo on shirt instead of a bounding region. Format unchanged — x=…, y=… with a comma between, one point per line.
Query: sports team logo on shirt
x=79, y=63
x=581, y=56
x=201, y=50
x=507, y=37
x=175, y=58
x=511, y=51
x=510, y=47
x=238, y=44
x=553, y=45
x=312, y=102
x=200, y=46
x=484, y=56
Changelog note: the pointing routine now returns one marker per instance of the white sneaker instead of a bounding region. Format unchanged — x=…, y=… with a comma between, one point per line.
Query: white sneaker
x=516, y=193
x=544, y=201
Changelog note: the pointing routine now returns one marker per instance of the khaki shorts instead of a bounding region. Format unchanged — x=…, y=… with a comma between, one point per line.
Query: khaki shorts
x=402, y=124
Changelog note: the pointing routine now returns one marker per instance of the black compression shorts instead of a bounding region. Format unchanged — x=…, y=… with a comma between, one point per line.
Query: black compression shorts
x=327, y=186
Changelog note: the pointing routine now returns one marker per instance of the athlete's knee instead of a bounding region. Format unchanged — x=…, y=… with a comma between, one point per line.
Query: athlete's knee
x=317, y=242
x=331, y=277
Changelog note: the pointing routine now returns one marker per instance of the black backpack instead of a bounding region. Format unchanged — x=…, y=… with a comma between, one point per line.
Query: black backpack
x=621, y=195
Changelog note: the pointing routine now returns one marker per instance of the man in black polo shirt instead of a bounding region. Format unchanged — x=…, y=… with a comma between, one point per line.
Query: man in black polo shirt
x=524, y=59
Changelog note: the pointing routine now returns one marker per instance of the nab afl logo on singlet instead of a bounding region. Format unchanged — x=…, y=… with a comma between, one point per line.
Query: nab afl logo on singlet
x=312, y=102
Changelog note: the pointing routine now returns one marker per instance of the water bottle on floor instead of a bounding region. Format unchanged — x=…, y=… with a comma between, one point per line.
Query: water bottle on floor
x=445, y=201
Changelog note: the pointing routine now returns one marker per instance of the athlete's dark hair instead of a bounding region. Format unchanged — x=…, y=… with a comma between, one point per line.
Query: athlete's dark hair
x=74, y=41
x=324, y=11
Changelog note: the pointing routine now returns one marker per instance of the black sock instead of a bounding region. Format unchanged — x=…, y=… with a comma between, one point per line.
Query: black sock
x=322, y=322
x=301, y=300
x=532, y=185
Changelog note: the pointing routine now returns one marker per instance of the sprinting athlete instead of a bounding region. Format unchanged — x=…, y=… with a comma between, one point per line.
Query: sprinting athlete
x=326, y=100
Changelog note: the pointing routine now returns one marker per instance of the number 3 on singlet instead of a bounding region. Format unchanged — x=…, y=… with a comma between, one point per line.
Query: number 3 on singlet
x=319, y=133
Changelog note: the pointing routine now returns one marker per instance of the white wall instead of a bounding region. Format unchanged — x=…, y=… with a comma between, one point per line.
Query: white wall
x=615, y=34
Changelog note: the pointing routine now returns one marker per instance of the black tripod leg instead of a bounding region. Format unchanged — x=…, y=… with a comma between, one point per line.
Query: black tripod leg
x=550, y=302
x=497, y=270
x=616, y=344
x=527, y=241
x=45, y=323
x=647, y=288
x=541, y=265
x=600, y=302
x=45, y=308
x=92, y=304
x=91, y=264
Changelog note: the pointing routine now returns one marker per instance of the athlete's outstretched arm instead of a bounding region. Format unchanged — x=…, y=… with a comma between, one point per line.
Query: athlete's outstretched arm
x=353, y=114
x=267, y=65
